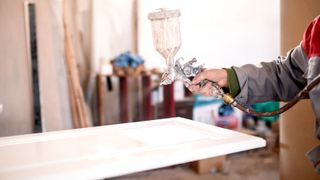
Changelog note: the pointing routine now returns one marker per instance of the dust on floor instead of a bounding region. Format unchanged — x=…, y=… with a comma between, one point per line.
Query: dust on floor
x=250, y=165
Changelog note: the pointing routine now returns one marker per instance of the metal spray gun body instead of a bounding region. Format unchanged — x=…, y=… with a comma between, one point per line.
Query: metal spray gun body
x=186, y=71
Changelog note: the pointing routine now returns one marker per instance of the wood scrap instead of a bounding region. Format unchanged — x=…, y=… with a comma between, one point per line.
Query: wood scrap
x=79, y=109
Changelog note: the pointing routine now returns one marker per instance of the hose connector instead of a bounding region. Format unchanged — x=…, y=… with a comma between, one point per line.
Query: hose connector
x=228, y=99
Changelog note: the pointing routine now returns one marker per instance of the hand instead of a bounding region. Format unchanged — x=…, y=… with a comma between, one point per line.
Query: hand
x=216, y=75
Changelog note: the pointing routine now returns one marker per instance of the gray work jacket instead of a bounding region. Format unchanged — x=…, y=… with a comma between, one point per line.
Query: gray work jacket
x=282, y=79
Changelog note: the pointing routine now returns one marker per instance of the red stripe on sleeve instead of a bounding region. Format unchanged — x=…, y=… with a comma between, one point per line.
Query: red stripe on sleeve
x=311, y=39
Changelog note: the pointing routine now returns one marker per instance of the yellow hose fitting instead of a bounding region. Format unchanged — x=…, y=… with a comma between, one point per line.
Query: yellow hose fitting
x=228, y=99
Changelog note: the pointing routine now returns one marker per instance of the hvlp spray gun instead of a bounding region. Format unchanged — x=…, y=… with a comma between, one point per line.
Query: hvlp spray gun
x=167, y=41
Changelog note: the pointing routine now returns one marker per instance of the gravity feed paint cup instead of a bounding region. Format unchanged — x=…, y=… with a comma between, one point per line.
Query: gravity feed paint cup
x=165, y=27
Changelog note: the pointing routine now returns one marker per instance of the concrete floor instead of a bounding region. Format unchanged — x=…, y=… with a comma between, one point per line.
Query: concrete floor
x=251, y=165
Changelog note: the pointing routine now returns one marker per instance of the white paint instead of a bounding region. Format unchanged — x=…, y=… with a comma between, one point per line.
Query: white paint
x=115, y=150
x=173, y=135
x=217, y=33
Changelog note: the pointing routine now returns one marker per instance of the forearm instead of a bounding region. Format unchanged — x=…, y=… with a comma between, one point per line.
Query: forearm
x=276, y=80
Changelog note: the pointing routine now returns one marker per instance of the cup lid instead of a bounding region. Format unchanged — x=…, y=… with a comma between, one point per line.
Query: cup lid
x=162, y=13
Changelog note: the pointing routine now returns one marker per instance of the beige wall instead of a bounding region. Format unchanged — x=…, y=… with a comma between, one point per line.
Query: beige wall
x=15, y=71
x=15, y=68
x=297, y=125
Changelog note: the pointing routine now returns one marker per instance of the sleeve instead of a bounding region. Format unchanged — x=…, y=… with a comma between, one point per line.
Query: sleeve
x=279, y=80
x=233, y=82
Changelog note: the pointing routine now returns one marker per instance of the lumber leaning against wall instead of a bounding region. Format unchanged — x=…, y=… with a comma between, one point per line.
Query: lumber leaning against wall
x=78, y=105
x=53, y=78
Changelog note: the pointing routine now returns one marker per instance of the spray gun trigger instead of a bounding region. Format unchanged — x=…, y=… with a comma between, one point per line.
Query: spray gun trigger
x=203, y=83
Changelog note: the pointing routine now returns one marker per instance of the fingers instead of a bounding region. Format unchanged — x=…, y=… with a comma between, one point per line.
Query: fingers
x=206, y=90
x=215, y=75
x=194, y=88
x=198, y=78
x=187, y=82
x=209, y=74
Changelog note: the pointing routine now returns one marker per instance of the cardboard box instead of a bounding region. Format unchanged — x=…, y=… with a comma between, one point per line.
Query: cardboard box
x=207, y=165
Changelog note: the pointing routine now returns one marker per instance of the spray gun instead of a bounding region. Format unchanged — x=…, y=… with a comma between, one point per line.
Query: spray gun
x=167, y=41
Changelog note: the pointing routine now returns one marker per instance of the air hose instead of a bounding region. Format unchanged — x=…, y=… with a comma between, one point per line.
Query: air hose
x=228, y=99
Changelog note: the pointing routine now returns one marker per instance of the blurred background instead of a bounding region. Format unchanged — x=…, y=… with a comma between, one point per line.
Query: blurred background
x=80, y=63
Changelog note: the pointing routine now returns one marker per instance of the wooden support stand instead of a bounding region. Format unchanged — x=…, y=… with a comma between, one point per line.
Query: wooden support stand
x=123, y=96
x=169, y=107
x=146, y=98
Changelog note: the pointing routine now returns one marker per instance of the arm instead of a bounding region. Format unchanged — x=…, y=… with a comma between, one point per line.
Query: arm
x=276, y=80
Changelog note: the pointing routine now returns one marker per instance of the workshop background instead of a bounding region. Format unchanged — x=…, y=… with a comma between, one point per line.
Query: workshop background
x=73, y=64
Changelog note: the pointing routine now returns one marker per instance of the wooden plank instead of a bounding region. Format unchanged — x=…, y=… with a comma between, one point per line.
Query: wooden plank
x=76, y=123
x=52, y=67
x=114, y=150
x=80, y=108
